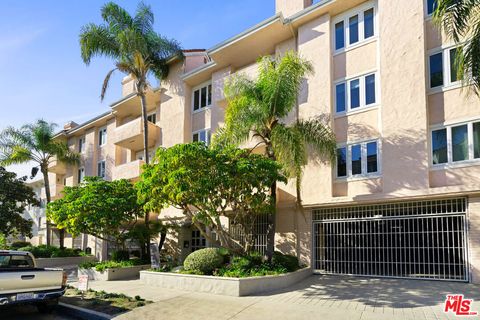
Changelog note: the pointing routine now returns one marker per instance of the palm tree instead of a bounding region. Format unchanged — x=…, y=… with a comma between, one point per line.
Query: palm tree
x=135, y=47
x=459, y=19
x=36, y=143
x=256, y=109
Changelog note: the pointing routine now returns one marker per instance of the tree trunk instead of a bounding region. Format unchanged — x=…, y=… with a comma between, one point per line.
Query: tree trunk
x=61, y=235
x=143, y=101
x=163, y=237
x=272, y=224
x=46, y=182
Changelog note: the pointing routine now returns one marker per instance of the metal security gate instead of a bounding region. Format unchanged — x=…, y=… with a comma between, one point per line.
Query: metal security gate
x=423, y=240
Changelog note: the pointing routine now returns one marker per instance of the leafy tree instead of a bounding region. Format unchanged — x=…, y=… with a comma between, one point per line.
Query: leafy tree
x=35, y=143
x=3, y=242
x=135, y=47
x=15, y=196
x=104, y=209
x=258, y=106
x=207, y=184
x=459, y=19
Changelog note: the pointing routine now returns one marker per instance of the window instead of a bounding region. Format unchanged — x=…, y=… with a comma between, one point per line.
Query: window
x=342, y=162
x=101, y=169
x=203, y=136
x=340, y=97
x=339, y=35
x=152, y=117
x=81, y=175
x=358, y=160
x=356, y=27
x=355, y=93
x=456, y=143
x=442, y=68
x=198, y=241
x=436, y=70
x=202, y=97
x=431, y=6
x=81, y=144
x=139, y=155
x=102, y=136
x=439, y=146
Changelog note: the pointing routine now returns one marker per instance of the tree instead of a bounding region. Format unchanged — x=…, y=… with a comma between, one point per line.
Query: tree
x=36, y=143
x=207, y=184
x=459, y=19
x=15, y=196
x=135, y=47
x=258, y=106
x=104, y=209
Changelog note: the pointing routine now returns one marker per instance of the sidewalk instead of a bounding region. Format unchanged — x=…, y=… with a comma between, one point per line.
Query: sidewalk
x=318, y=297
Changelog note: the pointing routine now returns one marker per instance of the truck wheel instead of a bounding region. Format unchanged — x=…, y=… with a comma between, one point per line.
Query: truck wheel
x=47, y=307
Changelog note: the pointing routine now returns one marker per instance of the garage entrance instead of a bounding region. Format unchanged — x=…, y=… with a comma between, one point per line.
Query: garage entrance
x=422, y=240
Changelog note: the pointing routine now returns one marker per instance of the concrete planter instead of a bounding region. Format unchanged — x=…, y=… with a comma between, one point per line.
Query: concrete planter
x=113, y=273
x=60, y=262
x=236, y=287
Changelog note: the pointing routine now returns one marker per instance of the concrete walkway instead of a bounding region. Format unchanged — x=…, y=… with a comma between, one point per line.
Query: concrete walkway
x=317, y=297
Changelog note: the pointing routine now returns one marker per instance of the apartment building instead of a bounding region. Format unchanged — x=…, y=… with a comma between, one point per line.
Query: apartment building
x=402, y=199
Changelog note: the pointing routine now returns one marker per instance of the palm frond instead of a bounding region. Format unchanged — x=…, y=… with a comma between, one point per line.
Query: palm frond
x=319, y=136
x=117, y=18
x=15, y=155
x=97, y=40
x=144, y=19
x=106, y=82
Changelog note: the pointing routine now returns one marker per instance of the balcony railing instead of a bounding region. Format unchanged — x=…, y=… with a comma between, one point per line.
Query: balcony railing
x=130, y=170
x=57, y=167
x=130, y=135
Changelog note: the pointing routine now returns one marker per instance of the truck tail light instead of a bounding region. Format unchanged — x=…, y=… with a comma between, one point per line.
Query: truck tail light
x=64, y=279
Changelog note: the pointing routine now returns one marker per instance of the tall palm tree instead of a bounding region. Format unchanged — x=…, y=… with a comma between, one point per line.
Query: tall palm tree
x=460, y=21
x=256, y=109
x=35, y=143
x=135, y=47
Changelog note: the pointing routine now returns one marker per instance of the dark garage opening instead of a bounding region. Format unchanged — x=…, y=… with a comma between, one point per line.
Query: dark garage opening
x=424, y=240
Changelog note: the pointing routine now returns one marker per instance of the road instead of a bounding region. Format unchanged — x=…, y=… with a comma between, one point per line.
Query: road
x=29, y=313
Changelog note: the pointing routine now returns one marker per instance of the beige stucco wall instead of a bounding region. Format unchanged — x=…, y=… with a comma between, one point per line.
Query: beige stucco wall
x=356, y=127
x=453, y=106
x=290, y=7
x=355, y=62
x=474, y=238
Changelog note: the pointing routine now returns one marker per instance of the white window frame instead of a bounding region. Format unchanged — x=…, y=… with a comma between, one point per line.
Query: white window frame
x=446, y=70
x=364, y=174
x=427, y=15
x=104, y=169
x=199, y=88
x=81, y=144
x=100, y=130
x=208, y=135
x=345, y=17
x=150, y=114
x=450, y=163
x=363, y=105
x=80, y=177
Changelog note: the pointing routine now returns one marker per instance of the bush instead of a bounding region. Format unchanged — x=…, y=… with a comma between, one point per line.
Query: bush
x=203, y=261
x=19, y=244
x=102, y=266
x=286, y=261
x=44, y=251
x=120, y=255
x=3, y=242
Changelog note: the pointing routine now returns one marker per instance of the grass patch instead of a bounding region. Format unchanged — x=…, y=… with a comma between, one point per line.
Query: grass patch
x=101, y=301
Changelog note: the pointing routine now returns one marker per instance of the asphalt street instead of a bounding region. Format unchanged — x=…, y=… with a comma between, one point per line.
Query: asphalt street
x=25, y=312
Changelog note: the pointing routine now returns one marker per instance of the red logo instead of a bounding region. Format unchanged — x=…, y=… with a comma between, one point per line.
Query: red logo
x=459, y=305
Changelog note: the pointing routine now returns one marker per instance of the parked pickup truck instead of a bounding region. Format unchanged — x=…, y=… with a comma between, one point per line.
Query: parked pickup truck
x=22, y=282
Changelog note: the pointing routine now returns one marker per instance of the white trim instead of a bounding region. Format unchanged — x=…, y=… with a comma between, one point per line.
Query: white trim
x=446, y=69
x=104, y=169
x=208, y=135
x=345, y=17
x=428, y=16
x=362, y=94
x=199, y=88
x=83, y=147
x=78, y=175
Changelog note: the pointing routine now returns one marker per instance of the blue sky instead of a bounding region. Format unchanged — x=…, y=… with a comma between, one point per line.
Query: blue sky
x=43, y=76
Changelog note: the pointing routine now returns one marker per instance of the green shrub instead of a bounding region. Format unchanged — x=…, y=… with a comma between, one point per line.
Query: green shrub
x=44, y=251
x=19, y=244
x=102, y=266
x=120, y=255
x=3, y=242
x=286, y=261
x=204, y=261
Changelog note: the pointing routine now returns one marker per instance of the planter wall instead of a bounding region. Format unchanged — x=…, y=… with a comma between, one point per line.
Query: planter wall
x=113, y=273
x=61, y=262
x=236, y=287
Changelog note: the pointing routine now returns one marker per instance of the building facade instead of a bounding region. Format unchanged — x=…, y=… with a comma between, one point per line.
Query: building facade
x=402, y=199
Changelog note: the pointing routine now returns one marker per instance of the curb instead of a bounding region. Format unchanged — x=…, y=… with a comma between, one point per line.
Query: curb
x=82, y=313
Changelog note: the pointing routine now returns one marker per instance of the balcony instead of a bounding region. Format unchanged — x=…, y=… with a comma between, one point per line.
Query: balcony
x=130, y=170
x=55, y=191
x=130, y=135
x=57, y=167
